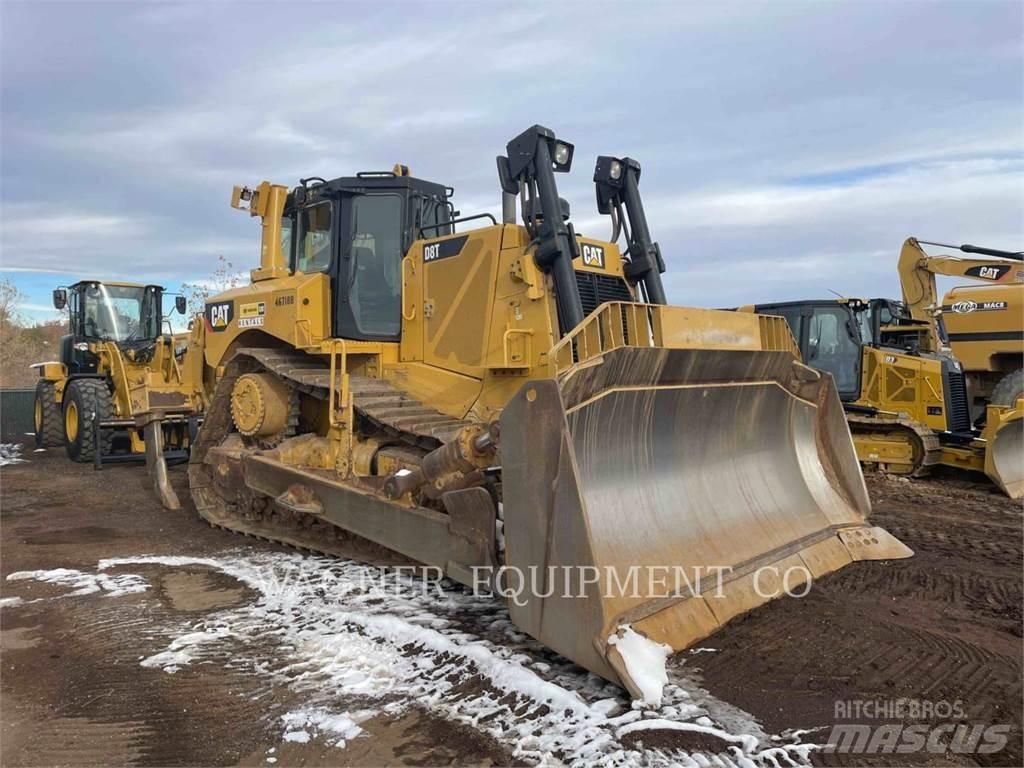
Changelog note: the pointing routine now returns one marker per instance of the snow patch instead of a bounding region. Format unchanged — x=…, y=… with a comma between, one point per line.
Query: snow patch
x=86, y=583
x=351, y=639
x=337, y=728
x=654, y=724
x=10, y=453
x=10, y=602
x=184, y=649
x=645, y=662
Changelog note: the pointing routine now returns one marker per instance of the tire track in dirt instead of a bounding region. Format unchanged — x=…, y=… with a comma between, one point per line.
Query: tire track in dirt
x=944, y=625
x=114, y=711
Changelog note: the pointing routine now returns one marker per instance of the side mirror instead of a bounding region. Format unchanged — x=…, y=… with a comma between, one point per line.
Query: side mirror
x=60, y=298
x=180, y=304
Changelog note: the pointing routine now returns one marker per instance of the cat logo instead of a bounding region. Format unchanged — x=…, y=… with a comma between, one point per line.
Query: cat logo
x=593, y=256
x=218, y=315
x=988, y=272
x=890, y=358
x=963, y=307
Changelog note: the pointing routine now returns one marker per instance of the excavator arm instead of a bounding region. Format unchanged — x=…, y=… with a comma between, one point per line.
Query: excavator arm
x=917, y=271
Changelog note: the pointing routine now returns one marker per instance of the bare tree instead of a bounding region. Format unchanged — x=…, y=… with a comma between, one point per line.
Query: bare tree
x=23, y=344
x=224, y=278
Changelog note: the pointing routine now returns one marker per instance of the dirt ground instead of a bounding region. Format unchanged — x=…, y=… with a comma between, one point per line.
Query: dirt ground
x=944, y=625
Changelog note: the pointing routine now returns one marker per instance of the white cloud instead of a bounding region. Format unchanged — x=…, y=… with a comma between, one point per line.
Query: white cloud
x=154, y=112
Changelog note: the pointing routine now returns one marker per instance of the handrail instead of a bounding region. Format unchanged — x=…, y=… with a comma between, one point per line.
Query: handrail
x=412, y=264
x=338, y=396
x=630, y=324
x=451, y=222
x=527, y=356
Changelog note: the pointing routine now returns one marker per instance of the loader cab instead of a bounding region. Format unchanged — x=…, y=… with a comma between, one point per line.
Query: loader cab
x=830, y=335
x=357, y=230
x=127, y=314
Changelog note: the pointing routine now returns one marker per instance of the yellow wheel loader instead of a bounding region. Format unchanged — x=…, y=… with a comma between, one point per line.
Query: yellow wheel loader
x=122, y=390
x=499, y=404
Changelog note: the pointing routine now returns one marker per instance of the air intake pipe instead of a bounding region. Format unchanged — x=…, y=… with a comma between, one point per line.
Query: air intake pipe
x=528, y=170
x=618, y=187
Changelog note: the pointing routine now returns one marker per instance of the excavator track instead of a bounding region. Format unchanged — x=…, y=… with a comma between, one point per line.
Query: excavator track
x=927, y=450
x=381, y=409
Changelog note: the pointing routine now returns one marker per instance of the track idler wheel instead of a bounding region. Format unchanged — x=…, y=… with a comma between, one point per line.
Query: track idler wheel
x=259, y=405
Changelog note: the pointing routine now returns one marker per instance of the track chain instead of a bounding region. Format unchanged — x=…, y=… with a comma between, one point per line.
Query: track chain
x=926, y=443
x=380, y=407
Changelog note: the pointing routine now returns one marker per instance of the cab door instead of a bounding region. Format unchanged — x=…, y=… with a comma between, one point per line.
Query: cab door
x=368, y=280
x=834, y=345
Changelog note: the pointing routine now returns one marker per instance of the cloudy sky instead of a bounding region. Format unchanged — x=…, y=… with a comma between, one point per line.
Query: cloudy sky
x=787, y=148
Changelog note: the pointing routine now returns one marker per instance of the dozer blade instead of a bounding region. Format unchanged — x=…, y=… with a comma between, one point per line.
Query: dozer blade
x=1004, y=453
x=641, y=474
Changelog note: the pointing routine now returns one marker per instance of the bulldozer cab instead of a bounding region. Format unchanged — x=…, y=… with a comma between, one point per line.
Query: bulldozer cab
x=356, y=230
x=830, y=335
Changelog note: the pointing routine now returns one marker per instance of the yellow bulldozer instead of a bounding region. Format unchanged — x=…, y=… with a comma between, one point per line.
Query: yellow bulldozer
x=517, y=400
x=124, y=389
x=906, y=394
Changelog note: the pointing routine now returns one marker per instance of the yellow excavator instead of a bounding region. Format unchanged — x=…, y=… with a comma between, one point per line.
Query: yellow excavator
x=983, y=324
x=125, y=388
x=517, y=401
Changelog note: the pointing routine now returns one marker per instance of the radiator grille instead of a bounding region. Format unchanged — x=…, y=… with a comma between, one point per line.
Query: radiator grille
x=957, y=407
x=596, y=289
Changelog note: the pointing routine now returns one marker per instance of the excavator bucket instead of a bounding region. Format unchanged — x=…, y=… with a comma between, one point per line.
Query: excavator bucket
x=682, y=469
x=1004, y=454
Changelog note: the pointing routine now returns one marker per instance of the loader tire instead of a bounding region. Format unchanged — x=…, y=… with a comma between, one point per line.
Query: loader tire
x=1009, y=388
x=47, y=416
x=82, y=399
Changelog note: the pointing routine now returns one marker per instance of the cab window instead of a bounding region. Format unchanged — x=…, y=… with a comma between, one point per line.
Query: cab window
x=314, y=252
x=431, y=215
x=287, y=229
x=792, y=316
x=834, y=346
x=375, y=264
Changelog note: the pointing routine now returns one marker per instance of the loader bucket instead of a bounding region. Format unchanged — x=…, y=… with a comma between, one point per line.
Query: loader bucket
x=641, y=475
x=1004, y=453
